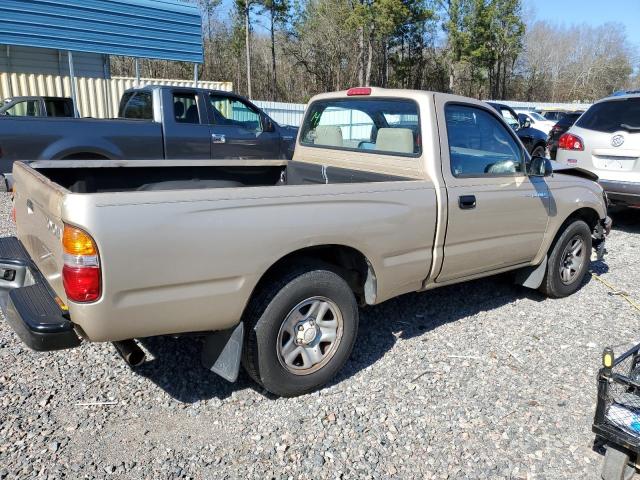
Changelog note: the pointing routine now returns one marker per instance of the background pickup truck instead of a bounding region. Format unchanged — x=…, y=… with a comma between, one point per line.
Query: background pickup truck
x=389, y=192
x=154, y=122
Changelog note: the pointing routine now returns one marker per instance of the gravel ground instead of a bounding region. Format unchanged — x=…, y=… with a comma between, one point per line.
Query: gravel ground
x=481, y=380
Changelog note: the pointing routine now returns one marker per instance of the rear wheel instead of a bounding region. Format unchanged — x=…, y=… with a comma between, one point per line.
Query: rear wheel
x=568, y=261
x=300, y=330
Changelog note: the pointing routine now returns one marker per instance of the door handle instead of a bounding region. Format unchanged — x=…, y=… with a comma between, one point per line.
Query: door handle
x=218, y=138
x=467, y=202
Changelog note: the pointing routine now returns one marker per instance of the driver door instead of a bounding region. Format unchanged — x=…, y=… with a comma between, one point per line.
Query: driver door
x=238, y=130
x=497, y=215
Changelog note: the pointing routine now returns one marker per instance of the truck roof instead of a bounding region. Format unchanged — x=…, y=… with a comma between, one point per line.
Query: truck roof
x=174, y=87
x=33, y=97
x=359, y=92
x=363, y=92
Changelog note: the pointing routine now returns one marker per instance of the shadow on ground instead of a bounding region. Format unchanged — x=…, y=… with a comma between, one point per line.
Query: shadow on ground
x=175, y=366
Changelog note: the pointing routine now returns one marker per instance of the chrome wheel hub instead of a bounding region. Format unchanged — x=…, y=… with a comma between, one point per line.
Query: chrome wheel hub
x=306, y=332
x=572, y=260
x=309, y=335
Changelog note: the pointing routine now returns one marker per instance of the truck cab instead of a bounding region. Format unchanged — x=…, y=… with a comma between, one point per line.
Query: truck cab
x=199, y=123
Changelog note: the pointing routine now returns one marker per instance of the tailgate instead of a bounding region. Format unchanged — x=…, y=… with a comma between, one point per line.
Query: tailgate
x=38, y=205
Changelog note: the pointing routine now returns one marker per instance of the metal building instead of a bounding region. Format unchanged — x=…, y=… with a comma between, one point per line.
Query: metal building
x=56, y=40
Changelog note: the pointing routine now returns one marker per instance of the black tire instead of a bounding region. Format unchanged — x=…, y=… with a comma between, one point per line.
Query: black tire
x=539, y=151
x=617, y=465
x=266, y=313
x=553, y=284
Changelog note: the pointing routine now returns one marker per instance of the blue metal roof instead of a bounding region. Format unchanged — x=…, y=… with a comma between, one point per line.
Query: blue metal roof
x=163, y=29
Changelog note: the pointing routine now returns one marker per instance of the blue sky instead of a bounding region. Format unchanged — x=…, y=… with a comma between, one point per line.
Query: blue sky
x=592, y=12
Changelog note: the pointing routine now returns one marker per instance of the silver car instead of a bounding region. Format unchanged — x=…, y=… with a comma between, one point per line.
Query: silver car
x=606, y=141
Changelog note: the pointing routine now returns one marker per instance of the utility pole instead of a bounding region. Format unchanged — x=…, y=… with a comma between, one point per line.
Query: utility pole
x=248, y=48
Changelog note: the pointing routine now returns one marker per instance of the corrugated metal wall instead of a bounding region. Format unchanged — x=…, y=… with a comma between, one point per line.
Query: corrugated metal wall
x=97, y=97
x=283, y=113
x=165, y=29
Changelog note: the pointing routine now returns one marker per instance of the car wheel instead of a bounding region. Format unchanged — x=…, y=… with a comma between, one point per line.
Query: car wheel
x=300, y=330
x=539, y=151
x=617, y=465
x=568, y=261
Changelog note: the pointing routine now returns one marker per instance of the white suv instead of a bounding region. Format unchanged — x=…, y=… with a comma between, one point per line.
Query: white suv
x=606, y=141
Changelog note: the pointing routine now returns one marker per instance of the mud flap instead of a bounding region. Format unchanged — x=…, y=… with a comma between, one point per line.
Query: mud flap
x=222, y=350
x=531, y=277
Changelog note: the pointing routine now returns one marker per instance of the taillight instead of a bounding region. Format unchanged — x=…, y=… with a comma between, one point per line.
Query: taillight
x=81, y=272
x=569, y=141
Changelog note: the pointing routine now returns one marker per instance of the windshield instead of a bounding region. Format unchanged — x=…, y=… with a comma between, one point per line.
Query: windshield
x=536, y=116
x=612, y=115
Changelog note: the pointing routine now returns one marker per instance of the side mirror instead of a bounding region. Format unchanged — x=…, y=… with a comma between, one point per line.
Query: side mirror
x=540, y=167
x=267, y=124
x=525, y=124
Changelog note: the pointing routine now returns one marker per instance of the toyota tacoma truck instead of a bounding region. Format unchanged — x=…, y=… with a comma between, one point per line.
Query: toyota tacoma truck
x=389, y=192
x=153, y=122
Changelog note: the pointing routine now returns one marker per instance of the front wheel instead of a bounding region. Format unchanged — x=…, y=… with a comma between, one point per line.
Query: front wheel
x=568, y=261
x=300, y=330
x=539, y=151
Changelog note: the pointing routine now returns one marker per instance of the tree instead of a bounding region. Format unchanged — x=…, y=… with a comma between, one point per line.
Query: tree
x=312, y=46
x=246, y=6
x=278, y=16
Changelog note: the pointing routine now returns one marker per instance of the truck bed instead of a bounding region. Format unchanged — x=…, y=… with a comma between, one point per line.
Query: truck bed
x=181, y=249
x=99, y=176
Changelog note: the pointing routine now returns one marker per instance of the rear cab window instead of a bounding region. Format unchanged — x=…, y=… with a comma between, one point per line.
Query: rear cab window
x=378, y=126
x=136, y=105
x=612, y=116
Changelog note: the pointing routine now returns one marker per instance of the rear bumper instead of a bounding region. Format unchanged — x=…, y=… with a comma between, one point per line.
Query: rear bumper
x=627, y=193
x=28, y=303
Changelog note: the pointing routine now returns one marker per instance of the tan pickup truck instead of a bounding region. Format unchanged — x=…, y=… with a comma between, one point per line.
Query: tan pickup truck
x=389, y=192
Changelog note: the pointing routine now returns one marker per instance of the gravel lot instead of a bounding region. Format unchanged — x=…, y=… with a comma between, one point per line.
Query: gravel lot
x=481, y=380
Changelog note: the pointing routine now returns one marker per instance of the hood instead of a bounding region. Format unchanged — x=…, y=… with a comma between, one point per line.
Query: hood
x=575, y=171
x=289, y=131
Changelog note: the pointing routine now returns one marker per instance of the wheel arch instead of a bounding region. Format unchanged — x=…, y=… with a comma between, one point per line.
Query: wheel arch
x=587, y=214
x=539, y=144
x=347, y=261
x=85, y=156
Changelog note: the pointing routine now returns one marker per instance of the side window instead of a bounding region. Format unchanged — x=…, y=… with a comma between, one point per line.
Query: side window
x=58, y=108
x=231, y=111
x=136, y=105
x=479, y=144
x=511, y=120
x=185, y=108
x=378, y=125
x=26, y=108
